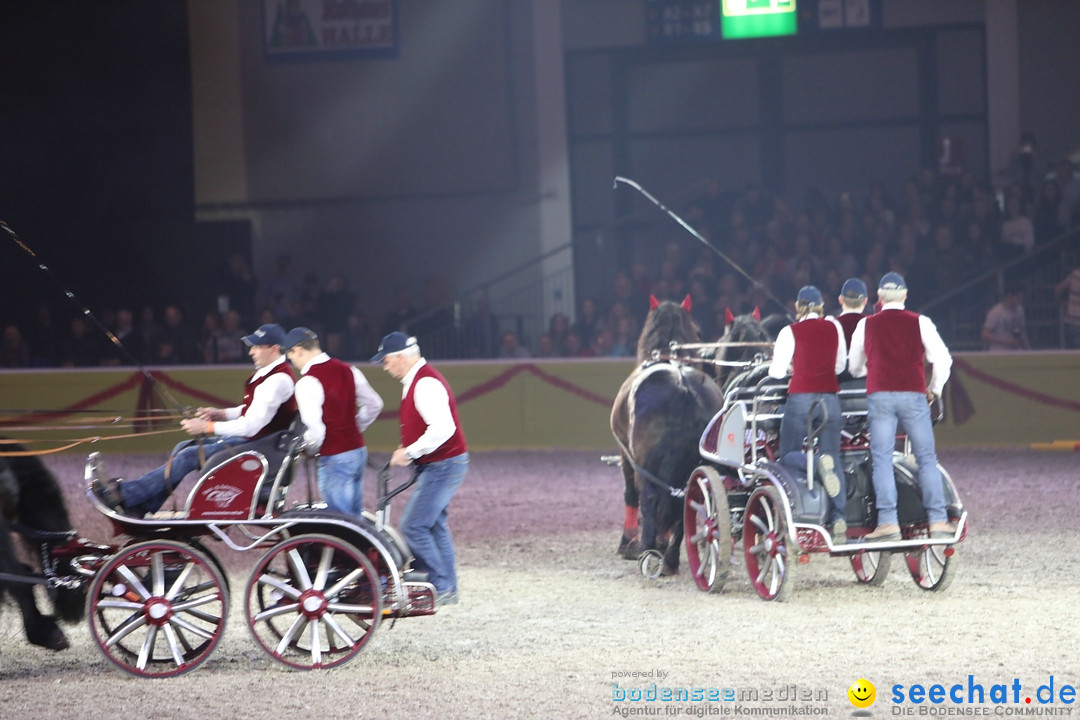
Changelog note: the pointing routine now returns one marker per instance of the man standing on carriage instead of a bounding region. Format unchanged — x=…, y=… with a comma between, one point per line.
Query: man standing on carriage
x=433, y=442
x=891, y=348
x=268, y=407
x=853, y=296
x=336, y=404
x=813, y=350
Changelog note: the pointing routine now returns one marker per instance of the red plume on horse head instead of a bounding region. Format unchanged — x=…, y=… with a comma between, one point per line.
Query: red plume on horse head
x=685, y=304
x=729, y=317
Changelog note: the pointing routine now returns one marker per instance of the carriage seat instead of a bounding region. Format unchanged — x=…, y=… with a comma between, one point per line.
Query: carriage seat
x=274, y=448
x=853, y=403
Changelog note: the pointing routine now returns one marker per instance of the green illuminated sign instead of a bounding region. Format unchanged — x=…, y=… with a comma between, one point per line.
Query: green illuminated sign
x=757, y=18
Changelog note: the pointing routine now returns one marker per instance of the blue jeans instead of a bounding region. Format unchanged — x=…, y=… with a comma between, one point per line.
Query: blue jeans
x=148, y=493
x=794, y=429
x=912, y=412
x=424, y=522
x=341, y=480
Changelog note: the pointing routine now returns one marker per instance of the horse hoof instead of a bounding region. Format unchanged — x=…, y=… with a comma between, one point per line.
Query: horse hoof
x=47, y=635
x=668, y=571
x=630, y=551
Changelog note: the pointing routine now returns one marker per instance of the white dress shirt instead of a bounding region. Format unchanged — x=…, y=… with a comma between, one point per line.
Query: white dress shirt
x=433, y=403
x=265, y=401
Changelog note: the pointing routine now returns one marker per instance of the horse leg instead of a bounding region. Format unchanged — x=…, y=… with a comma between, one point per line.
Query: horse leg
x=41, y=630
x=629, y=543
x=671, y=555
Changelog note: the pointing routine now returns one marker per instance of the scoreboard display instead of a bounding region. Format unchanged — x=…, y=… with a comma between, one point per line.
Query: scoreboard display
x=673, y=21
x=757, y=18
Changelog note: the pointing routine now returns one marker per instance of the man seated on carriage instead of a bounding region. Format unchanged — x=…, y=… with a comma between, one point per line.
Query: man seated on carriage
x=814, y=351
x=268, y=406
x=891, y=348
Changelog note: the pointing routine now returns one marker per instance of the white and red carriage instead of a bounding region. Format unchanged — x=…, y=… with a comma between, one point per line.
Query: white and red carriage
x=157, y=603
x=743, y=492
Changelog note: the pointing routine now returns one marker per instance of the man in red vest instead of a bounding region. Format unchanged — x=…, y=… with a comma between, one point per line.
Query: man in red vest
x=268, y=407
x=813, y=350
x=336, y=405
x=432, y=440
x=852, y=299
x=891, y=348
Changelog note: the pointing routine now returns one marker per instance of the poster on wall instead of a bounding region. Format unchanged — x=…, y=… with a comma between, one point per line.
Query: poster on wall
x=313, y=29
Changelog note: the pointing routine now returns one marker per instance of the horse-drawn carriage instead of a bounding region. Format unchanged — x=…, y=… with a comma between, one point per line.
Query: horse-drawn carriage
x=157, y=603
x=778, y=508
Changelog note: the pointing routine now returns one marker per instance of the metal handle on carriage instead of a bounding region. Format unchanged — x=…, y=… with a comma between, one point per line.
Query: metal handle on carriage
x=812, y=435
x=385, y=494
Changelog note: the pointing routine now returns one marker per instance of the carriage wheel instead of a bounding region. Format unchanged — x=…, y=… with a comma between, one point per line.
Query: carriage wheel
x=313, y=602
x=707, y=523
x=767, y=545
x=932, y=567
x=871, y=568
x=158, y=608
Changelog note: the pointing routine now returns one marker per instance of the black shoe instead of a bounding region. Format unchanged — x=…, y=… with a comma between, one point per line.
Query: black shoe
x=108, y=492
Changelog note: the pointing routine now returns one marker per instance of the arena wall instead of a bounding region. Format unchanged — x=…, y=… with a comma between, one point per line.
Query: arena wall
x=992, y=399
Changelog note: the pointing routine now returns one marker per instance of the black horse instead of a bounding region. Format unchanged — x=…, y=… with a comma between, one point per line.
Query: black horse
x=657, y=418
x=31, y=500
x=746, y=344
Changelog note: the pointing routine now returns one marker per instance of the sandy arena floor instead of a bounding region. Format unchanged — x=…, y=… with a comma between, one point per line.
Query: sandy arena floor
x=550, y=617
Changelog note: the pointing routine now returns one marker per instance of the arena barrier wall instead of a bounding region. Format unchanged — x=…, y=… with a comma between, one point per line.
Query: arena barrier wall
x=992, y=399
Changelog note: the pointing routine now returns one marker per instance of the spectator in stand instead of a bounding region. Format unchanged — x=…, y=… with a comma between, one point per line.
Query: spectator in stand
x=1017, y=231
x=558, y=329
x=334, y=303
x=230, y=339
x=481, y=331
x=123, y=329
x=358, y=341
x=1005, y=327
x=544, y=348
x=82, y=348
x=280, y=291
x=574, y=348
x=208, y=337
x=16, y=353
x=174, y=344
x=236, y=287
x=1069, y=288
x=510, y=348
x=46, y=343
x=587, y=323
x=398, y=319
x=1045, y=217
x=1069, y=185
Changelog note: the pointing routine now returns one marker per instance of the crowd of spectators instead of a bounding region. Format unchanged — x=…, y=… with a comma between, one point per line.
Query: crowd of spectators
x=938, y=232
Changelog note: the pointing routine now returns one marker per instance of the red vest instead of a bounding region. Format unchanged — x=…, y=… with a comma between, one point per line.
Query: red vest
x=286, y=412
x=848, y=321
x=813, y=366
x=895, y=358
x=413, y=425
x=339, y=406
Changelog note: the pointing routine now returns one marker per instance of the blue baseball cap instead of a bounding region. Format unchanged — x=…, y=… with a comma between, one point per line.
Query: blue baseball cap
x=269, y=334
x=395, y=342
x=892, y=281
x=809, y=295
x=296, y=336
x=854, y=288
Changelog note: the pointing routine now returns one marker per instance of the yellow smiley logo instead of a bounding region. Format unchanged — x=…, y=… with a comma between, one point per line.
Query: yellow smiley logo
x=862, y=693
